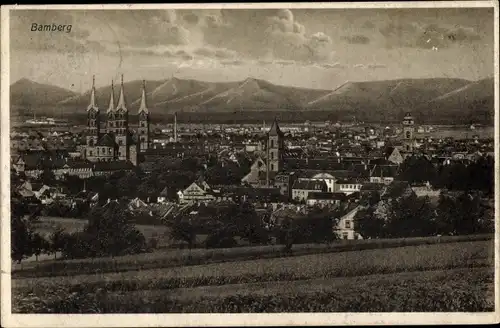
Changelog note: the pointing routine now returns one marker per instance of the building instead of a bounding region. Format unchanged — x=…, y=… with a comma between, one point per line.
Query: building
x=117, y=142
x=274, y=150
x=349, y=186
x=325, y=198
x=408, y=133
x=198, y=191
x=302, y=188
x=345, y=227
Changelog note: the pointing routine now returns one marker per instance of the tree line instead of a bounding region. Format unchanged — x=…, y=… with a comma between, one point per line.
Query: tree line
x=478, y=175
x=455, y=213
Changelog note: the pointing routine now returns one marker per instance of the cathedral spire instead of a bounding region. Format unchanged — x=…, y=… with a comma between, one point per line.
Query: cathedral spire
x=92, y=104
x=112, y=98
x=121, y=100
x=143, y=107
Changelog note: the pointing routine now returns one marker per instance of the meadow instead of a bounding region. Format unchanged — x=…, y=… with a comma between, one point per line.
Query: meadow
x=455, y=276
x=167, y=257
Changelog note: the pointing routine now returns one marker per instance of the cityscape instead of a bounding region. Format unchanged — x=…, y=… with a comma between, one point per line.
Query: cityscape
x=140, y=193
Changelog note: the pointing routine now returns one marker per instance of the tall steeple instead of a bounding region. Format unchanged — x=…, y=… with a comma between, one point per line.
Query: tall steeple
x=275, y=129
x=121, y=100
x=92, y=104
x=143, y=130
x=111, y=98
x=143, y=107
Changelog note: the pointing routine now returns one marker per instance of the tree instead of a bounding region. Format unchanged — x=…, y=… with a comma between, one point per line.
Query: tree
x=410, y=216
x=463, y=214
x=417, y=170
x=248, y=224
x=108, y=232
x=183, y=229
x=39, y=245
x=57, y=241
x=368, y=224
x=21, y=231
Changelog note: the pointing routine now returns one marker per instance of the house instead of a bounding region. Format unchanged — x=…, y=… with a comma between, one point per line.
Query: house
x=286, y=212
x=284, y=181
x=345, y=228
x=137, y=204
x=108, y=168
x=325, y=198
x=383, y=174
x=394, y=156
x=302, y=188
x=254, y=177
x=88, y=197
x=426, y=190
x=328, y=178
x=198, y=191
x=349, y=186
x=163, y=196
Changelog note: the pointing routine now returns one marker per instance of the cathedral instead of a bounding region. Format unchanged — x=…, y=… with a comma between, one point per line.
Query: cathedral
x=117, y=142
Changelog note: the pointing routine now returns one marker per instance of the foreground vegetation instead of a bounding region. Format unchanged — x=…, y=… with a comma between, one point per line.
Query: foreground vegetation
x=453, y=290
x=410, y=284
x=175, y=258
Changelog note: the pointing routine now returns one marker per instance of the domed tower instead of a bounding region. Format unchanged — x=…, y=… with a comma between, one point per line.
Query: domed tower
x=93, y=125
x=408, y=133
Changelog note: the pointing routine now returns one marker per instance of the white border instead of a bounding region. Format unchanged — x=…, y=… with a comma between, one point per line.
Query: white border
x=205, y=320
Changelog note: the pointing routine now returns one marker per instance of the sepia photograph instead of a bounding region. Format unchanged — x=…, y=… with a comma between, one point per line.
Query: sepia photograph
x=250, y=159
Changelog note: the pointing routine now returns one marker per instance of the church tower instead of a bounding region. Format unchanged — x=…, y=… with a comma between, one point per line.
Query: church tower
x=143, y=130
x=110, y=112
x=93, y=124
x=275, y=147
x=408, y=133
x=121, y=126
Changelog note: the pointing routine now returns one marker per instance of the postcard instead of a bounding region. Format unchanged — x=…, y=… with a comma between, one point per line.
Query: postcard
x=249, y=164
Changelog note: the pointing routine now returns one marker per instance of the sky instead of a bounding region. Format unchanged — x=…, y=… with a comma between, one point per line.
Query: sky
x=311, y=48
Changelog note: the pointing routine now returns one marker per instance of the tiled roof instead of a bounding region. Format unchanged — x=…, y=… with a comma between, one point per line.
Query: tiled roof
x=327, y=195
x=113, y=166
x=309, y=185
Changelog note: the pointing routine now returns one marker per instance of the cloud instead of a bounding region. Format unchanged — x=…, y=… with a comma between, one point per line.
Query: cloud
x=234, y=62
x=426, y=36
x=369, y=66
x=357, y=39
x=269, y=35
x=288, y=39
x=333, y=66
x=219, y=53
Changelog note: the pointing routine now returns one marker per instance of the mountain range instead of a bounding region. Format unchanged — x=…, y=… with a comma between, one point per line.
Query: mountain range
x=428, y=99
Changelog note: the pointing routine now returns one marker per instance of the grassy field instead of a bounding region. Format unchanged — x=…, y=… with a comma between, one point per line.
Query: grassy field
x=48, y=224
x=438, y=277
x=165, y=258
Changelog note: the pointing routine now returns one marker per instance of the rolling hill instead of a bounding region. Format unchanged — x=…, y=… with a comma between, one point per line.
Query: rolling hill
x=26, y=93
x=440, y=98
